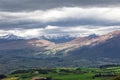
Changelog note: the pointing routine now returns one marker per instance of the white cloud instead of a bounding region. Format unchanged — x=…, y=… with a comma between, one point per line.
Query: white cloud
x=61, y=14
x=57, y=14
x=49, y=27
x=59, y=31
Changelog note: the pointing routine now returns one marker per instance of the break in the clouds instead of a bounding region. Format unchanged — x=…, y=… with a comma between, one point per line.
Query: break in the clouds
x=58, y=17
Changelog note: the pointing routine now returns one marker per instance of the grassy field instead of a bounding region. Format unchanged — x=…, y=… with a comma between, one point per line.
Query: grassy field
x=107, y=73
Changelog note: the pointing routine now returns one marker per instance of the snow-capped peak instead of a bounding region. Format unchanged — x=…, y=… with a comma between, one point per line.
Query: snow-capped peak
x=10, y=37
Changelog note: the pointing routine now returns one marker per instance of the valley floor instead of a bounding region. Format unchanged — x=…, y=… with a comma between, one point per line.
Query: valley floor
x=102, y=73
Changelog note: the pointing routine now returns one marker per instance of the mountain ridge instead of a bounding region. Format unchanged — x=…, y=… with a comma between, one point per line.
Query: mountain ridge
x=82, y=51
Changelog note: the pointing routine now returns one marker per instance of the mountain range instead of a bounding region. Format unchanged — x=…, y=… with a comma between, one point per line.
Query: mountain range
x=53, y=38
x=86, y=51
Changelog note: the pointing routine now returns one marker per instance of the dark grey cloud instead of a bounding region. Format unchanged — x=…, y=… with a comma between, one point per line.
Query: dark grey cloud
x=51, y=17
x=23, y=5
x=83, y=22
x=27, y=24
x=61, y=17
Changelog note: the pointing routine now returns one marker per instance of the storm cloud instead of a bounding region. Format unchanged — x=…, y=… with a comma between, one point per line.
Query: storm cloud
x=66, y=16
x=76, y=17
x=28, y=5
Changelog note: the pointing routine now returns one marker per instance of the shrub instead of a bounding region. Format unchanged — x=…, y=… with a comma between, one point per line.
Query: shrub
x=117, y=78
x=2, y=76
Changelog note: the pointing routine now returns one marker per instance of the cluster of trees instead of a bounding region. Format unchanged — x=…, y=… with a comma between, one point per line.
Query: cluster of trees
x=38, y=78
x=104, y=75
x=117, y=78
x=109, y=65
x=2, y=76
x=46, y=71
x=41, y=71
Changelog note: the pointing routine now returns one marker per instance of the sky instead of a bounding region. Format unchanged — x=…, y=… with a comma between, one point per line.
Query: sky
x=34, y=18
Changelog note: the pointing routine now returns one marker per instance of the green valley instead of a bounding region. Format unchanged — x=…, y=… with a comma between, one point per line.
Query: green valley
x=100, y=73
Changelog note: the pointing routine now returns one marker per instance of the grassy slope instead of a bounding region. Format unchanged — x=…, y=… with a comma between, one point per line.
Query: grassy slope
x=59, y=75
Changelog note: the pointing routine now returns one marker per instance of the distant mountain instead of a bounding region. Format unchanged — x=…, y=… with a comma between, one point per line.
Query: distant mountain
x=58, y=39
x=102, y=50
x=80, y=42
x=54, y=38
x=83, y=51
x=10, y=37
x=92, y=36
x=25, y=44
x=65, y=48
